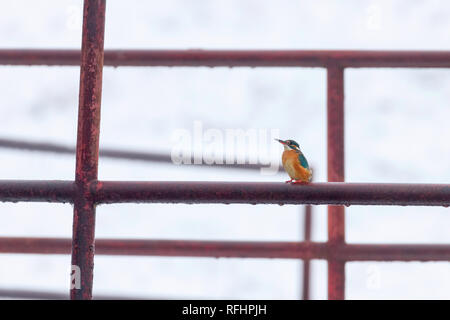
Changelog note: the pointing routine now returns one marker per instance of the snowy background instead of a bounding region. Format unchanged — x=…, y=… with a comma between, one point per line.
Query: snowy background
x=396, y=131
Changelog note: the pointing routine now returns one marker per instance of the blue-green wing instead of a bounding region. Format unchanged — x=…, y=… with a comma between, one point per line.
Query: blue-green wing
x=303, y=161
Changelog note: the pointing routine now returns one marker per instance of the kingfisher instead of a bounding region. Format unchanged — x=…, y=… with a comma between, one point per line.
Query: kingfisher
x=295, y=163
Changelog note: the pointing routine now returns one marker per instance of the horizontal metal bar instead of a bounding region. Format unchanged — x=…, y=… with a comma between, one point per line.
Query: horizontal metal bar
x=36, y=191
x=394, y=252
x=231, y=192
x=235, y=58
x=49, y=295
x=236, y=249
x=118, y=154
x=273, y=193
x=169, y=248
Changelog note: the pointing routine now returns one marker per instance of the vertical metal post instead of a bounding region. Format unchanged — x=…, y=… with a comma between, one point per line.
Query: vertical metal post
x=87, y=147
x=307, y=224
x=336, y=214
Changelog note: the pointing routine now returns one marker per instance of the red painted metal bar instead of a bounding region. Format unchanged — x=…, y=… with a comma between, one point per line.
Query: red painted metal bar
x=118, y=154
x=271, y=193
x=88, y=144
x=230, y=192
x=307, y=225
x=236, y=249
x=236, y=58
x=394, y=252
x=170, y=248
x=36, y=191
x=335, y=147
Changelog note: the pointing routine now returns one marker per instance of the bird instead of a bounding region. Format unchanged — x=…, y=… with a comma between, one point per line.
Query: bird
x=295, y=163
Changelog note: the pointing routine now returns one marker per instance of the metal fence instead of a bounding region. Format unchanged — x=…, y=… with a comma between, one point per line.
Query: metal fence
x=85, y=192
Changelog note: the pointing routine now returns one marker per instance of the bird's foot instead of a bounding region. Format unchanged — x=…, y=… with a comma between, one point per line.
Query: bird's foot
x=289, y=181
x=299, y=182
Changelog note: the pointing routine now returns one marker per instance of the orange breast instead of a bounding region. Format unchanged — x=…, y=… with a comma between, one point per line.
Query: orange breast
x=292, y=166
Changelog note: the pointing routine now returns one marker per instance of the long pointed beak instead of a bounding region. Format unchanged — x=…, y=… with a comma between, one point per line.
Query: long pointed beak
x=280, y=141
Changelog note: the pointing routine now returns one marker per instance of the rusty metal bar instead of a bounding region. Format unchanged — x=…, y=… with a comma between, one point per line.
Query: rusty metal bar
x=307, y=225
x=394, y=252
x=236, y=58
x=235, y=249
x=36, y=191
x=335, y=147
x=88, y=144
x=271, y=193
x=230, y=192
x=118, y=154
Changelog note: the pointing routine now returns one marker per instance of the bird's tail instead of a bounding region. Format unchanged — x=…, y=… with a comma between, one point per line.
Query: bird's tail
x=310, y=174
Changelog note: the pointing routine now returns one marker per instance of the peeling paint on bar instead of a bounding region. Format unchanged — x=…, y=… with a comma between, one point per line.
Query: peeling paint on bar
x=271, y=193
x=104, y=192
x=83, y=241
x=37, y=191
